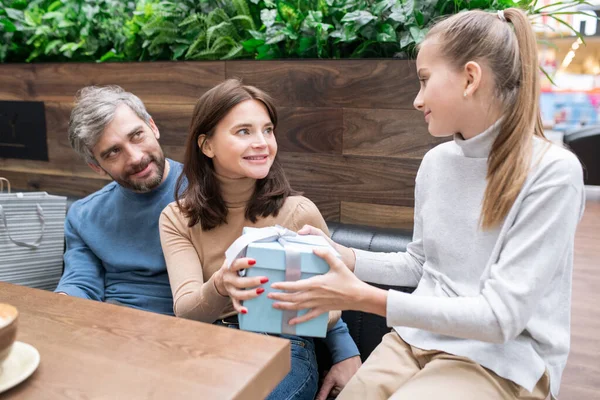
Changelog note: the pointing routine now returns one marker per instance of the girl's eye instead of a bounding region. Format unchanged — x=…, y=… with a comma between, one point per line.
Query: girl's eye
x=269, y=130
x=243, y=132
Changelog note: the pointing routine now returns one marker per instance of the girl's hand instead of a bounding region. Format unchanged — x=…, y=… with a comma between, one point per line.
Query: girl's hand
x=339, y=289
x=235, y=285
x=348, y=256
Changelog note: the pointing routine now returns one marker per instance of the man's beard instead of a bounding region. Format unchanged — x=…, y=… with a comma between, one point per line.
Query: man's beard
x=151, y=182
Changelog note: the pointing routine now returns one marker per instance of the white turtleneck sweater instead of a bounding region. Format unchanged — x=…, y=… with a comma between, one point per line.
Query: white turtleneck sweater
x=500, y=297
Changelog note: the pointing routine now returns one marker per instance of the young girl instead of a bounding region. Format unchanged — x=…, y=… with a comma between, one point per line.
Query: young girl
x=492, y=253
x=234, y=180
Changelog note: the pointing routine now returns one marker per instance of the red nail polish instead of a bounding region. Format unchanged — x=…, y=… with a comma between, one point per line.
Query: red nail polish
x=251, y=262
x=264, y=280
x=244, y=311
x=260, y=290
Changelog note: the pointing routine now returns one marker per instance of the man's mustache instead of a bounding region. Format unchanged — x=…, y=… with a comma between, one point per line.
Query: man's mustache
x=141, y=166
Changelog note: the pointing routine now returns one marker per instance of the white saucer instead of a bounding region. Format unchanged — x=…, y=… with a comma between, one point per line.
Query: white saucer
x=19, y=365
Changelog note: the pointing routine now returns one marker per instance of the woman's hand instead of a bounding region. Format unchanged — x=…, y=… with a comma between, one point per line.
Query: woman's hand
x=232, y=285
x=348, y=256
x=338, y=289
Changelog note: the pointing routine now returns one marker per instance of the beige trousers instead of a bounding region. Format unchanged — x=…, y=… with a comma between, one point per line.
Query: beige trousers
x=395, y=370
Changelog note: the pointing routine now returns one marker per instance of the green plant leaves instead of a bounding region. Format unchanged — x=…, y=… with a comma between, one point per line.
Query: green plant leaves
x=117, y=30
x=8, y=25
x=41, y=30
x=360, y=18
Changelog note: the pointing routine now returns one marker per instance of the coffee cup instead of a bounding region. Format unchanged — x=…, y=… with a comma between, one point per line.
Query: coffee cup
x=9, y=317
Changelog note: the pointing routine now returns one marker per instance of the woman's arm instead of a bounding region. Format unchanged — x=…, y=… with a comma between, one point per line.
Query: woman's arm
x=193, y=297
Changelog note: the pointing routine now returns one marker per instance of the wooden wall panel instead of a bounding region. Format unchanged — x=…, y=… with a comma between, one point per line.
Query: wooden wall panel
x=330, y=209
x=332, y=83
x=385, y=133
x=377, y=215
x=172, y=121
x=356, y=179
x=310, y=130
x=348, y=135
x=53, y=183
x=158, y=82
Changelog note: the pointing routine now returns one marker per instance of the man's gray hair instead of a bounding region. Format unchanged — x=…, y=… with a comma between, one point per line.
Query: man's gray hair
x=94, y=109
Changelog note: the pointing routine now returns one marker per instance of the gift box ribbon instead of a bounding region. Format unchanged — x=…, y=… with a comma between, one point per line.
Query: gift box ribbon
x=293, y=270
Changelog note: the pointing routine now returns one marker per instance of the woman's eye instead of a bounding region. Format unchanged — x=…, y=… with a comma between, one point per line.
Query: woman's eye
x=243, y=132
x=269, y=130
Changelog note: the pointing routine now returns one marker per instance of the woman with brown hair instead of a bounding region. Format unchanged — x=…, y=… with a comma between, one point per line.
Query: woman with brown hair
x=235, y=180
x=496, y=210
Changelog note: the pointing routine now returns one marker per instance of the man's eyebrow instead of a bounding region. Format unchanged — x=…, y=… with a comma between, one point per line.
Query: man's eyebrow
x=135, y=130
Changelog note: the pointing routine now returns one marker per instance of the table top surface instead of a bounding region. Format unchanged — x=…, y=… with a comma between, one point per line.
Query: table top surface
x=94, y=350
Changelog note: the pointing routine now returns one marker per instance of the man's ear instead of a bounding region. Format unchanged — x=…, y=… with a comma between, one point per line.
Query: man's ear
x=97, y=169
x=154, y=129
x=205, y=146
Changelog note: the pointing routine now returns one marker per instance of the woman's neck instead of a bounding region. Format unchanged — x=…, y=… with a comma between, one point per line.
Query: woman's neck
x=236, y=192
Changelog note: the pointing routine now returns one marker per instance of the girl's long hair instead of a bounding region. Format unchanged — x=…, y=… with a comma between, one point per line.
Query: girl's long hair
x=509, y=48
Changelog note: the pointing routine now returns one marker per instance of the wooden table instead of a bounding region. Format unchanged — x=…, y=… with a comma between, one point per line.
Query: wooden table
x=93, y=350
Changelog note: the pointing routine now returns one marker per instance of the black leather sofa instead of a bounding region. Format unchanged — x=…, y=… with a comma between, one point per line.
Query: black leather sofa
x=585, y=143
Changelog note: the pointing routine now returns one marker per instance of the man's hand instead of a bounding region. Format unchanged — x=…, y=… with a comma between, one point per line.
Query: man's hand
x=337, y=377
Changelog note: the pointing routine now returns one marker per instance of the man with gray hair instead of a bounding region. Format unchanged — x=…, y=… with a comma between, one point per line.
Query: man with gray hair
x=113, y=249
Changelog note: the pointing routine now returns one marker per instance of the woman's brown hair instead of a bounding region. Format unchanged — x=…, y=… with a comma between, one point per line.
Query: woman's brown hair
x=509, y=48
x=201, y=200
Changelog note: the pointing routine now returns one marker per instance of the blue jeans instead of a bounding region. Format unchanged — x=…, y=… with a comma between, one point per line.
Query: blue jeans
x=302, y=382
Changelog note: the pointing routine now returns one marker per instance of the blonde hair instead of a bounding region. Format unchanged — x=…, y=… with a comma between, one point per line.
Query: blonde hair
x=509, y=48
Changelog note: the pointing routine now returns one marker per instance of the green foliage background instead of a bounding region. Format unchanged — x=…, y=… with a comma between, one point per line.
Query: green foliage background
x=115, y=30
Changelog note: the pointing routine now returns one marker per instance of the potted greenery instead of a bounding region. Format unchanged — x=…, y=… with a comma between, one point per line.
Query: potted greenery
x=145, y=30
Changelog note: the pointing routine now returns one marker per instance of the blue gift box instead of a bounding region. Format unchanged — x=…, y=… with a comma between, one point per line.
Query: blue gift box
x=271, y=259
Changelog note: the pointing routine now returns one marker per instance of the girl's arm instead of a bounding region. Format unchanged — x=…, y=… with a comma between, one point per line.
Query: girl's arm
x=535, y=247
x=395, y=269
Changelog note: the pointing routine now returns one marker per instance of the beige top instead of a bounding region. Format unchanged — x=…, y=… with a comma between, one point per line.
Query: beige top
x=193, y=255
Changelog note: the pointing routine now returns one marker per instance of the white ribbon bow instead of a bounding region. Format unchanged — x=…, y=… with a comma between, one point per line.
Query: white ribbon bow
x=265, y=235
